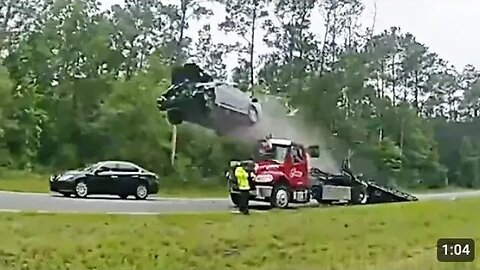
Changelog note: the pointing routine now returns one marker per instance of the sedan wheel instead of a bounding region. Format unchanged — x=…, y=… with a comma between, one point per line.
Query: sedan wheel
x=252, y=115
x=142, y=192
x=81, y=189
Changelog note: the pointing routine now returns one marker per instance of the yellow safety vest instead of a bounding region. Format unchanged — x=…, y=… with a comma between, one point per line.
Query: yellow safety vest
x=242, y=178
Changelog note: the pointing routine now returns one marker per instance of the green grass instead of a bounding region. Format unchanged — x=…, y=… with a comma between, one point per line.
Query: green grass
x=38, y=183
x=439, y=190
x=395, y=236
x=23, y=181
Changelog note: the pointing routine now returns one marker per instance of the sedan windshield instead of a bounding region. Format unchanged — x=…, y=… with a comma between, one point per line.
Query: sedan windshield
x=90, y=167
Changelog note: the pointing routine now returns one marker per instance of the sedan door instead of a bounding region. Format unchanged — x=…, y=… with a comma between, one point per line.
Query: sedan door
x=223, y=96
x=102, y=181
x=230, y=98
x=127, y=179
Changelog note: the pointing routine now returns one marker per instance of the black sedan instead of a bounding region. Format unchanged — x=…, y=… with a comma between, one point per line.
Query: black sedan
x=107, y=178
x=196, y=98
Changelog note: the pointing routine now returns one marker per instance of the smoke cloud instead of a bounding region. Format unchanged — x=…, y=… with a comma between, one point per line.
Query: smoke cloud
x=274, y=120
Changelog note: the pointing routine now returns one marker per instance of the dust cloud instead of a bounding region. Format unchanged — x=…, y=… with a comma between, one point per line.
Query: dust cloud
x=274, y=120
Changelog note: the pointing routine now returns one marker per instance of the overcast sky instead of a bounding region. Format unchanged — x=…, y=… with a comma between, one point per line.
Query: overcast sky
x=448, y=27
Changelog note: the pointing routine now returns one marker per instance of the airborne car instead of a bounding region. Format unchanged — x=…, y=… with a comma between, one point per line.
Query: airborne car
x=106, y=177
x=196, y=98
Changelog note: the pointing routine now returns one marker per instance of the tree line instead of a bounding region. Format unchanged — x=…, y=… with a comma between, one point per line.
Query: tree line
x=79, y=83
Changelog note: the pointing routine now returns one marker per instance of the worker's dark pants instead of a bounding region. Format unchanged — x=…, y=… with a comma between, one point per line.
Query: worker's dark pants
x=243, y=202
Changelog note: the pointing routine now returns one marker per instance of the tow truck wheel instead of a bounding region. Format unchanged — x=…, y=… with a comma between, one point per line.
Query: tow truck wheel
x=235, y=198
x=280, y=197
x=359, y=195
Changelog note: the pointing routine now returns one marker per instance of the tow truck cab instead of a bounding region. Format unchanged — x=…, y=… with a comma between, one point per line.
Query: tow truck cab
x=281, y=172
x=281, y=161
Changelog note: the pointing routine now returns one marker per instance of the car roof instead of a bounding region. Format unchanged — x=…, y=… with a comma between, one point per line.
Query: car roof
x=117, y=162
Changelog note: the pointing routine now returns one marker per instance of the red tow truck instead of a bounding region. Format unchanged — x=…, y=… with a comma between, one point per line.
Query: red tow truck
x=280, y=175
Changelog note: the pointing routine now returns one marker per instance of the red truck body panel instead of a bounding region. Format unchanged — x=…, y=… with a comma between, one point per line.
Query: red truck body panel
x=295, y=173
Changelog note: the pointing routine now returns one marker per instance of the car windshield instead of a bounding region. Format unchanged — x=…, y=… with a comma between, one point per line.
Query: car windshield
x=90, y=167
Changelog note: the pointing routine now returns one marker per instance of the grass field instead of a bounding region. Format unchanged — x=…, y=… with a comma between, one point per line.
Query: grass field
x=439, y=190
x=38, y=183
x=396, y=237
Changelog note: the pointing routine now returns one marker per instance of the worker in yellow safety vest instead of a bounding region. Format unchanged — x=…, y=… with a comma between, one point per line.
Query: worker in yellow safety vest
x=244, y=186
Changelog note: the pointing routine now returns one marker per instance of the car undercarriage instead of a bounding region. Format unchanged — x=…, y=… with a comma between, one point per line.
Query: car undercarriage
x=196, y=98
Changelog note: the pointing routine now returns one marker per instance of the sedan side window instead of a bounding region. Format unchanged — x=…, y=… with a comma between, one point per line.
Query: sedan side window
x=126, y=168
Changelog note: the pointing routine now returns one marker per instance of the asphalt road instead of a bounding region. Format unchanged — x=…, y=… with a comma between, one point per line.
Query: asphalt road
x=15, y=202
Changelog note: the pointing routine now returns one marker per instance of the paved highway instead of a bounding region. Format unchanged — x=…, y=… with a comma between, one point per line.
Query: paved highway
x=15, y=202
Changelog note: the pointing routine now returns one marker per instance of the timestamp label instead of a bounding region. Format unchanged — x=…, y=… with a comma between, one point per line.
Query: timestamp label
x=456, y=250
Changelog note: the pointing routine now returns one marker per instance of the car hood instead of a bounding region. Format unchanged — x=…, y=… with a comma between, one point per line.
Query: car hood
x=73, y=172
x=67, y=174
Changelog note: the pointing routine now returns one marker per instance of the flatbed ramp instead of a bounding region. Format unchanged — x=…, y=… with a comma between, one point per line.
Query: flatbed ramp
x=381, y=194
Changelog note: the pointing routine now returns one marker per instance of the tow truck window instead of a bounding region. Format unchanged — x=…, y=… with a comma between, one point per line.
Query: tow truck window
x=277, y=153
x=280, y=153
x=297, y=154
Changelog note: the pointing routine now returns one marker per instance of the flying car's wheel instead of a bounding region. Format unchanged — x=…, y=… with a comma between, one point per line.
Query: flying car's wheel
x=209, y=104
x=174, y=117
x=209, y=98
x=252, y=115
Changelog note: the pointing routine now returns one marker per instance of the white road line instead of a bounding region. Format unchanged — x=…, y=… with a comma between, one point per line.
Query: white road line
x=26, y=193
x=191, y=199
x=106, y=213
x=122, y=212
x=154, y=197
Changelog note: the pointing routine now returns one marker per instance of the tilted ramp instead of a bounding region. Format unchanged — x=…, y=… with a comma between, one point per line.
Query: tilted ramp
x=381, y=194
